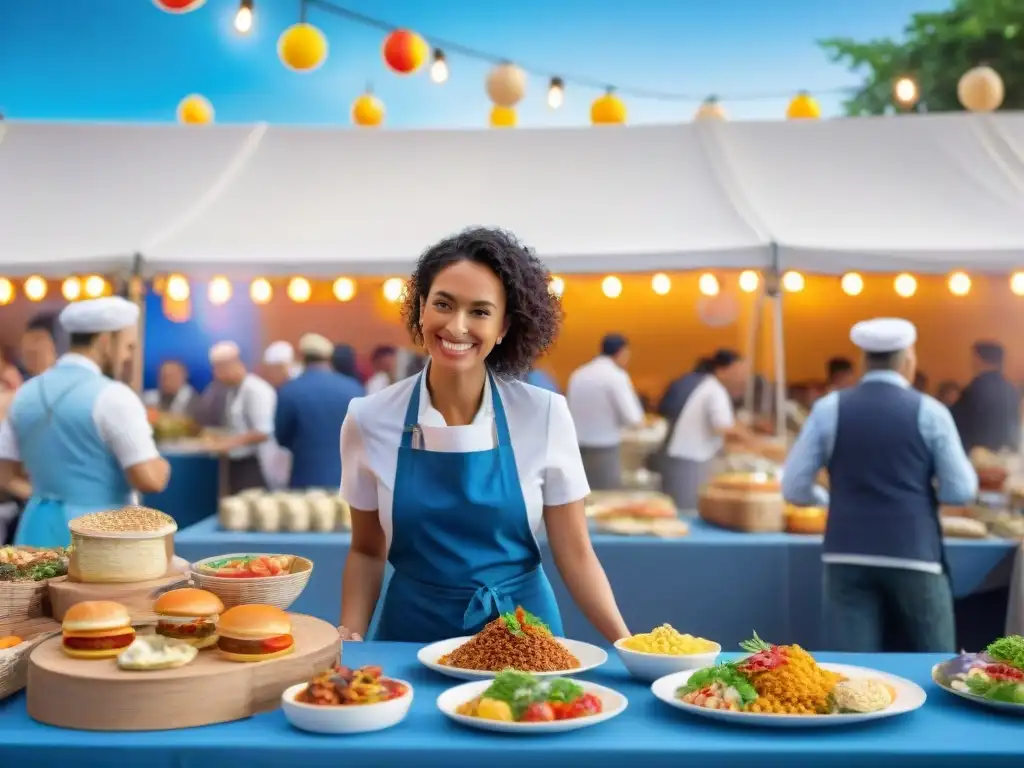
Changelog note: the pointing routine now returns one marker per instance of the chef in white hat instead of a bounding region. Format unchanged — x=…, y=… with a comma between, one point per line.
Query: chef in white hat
x=82, y=435
x=279, y=366
x=893, y=456
x=250, y=405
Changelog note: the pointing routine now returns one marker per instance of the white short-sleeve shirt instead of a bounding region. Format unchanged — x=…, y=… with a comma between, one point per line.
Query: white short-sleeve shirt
x=602, y=402
x=708, y=411
x=540, y=428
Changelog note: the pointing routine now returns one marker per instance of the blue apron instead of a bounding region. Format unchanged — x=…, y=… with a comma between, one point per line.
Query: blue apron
x=462, y=548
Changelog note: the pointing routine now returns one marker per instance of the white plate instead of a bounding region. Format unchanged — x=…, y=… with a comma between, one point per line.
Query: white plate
x=358, y=718
x=590, y=657
x=614, y=703
x=909, y=696
x=1006, y=706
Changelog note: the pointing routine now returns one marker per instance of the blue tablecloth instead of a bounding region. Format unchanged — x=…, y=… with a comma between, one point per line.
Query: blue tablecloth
x=715, y=583
x=193, y=491
x=945, y=732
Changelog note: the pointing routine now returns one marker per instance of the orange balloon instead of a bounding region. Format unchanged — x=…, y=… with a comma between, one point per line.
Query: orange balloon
x=405, y=51
x=368, y=111
x=503, y=117
x=608, y=110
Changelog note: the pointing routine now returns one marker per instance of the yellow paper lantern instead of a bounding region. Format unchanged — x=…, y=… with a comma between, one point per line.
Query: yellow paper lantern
x=711, y=109
x=608, y=109
x=506, y=85
x=368, y=111
x=503, y=117
x=195, y=110
x=981, y=90
x=302, y=47
x=803, y=107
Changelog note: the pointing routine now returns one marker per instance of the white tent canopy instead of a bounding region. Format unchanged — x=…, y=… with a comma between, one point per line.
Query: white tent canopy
x=920, y=193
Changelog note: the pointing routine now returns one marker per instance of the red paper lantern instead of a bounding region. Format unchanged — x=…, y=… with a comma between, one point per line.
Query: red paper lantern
x=405, y=51
x=178, y=6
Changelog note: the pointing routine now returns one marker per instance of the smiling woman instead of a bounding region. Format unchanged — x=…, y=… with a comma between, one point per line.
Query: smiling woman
x=450, y=473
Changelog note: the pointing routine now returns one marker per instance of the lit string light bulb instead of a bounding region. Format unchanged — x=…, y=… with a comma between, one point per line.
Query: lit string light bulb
x=959, y=284
x=393, y=289
x=299, y=290
x=661, y=284
x=707, y=284
x=177, y=288
x=905, y=285
x=344, y=288
x=35, y=288
x=6, y=291
x=556, y=93
x=905, y=92
x=71, y=289
x=94, y=286
x=852, y=284
x=611, y=287
x=244, y=17
x=1017, y=283
x=261, y=291
x=439, y=69
x=793, y=282
x=557, y=286
x=219, y=291
x=749, y=280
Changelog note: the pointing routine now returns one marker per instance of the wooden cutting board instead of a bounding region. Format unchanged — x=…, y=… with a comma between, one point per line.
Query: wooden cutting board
x=137, y=597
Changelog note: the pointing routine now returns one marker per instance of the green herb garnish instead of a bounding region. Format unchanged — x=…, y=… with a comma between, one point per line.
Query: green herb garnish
x=563, y=690
x=1009, y=650
x=512, y=624
x=517, y=689
x=995, y=690
x=725, y=674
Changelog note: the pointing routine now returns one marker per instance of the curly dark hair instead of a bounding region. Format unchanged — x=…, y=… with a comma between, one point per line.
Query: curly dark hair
x=534, y=313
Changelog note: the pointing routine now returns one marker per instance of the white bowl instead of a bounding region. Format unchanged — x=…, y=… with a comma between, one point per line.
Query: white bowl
x=651, y=666
x=355, y=718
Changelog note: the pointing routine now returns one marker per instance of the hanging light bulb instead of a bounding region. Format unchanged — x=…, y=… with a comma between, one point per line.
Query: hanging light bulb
x=260, y=291
x=905, y=92
x=244, y=17
x=661, y=284
x=749, y=280
x=611, y=287
x=439, y=69
x=344, y=288
x=6, y=291
x=394, y=287
x=35, y=288
x=94, y=286
x=177, y=288
x=219, y=291
x=707, y=284
x=557, y=286
x=852, y=284
x=299, y=290
x=905, y=285
x=556, y=93
x=793, y=282
x=959, y=284
x=1017, y=283
x=71, y=289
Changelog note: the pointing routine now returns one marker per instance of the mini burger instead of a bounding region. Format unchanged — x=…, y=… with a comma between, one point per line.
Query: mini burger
x=97, y=630
x=189, y=615
x=254, y=633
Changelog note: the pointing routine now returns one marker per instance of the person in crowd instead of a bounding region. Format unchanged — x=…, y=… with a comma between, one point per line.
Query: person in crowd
x=173, y=393
x=82, y=437
x=679, y=390
x=705, y=421
x=310, y=411
x=39, y=344
x=921, y=382
x=249, y=416
x=345, y=362
x=541, y=378
x=839, y=374
x=948, y=393
x=279, y=366
x=893, y=455
x=603, y=403
x=16, y=493
x=210, y=408
x=987, y=414
x=450, y=473
x=10, y=379
x=384, y=360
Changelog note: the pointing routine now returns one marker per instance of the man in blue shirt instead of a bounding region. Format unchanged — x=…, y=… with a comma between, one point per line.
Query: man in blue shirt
x=893, y=455
x=310, y=411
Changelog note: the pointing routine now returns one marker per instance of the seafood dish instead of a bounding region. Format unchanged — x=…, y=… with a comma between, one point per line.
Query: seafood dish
x=666, y=640
x=996, y=675
x=516, y=640
x=23, y=564
x=782, y=680
x=343, y=687
x=519, y=697
x=254, y=567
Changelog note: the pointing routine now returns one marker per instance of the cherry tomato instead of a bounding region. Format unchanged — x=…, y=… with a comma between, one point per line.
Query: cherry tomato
x=538, y=712
x=260, y=568
x=585, y=705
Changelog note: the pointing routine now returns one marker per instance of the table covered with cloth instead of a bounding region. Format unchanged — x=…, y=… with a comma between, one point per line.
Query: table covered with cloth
x=193, y=492
x=714, y=583
x=945, y=732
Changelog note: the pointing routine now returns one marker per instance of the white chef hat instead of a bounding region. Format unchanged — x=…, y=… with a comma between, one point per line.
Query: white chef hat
x=884, y=334
x=315, y=345
x=223, y=351
x=279, y=353
x=110, y=313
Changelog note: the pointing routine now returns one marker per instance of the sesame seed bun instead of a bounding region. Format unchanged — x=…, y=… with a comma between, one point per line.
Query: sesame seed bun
x=188, y=602
x=254, y=622
x=95, y=616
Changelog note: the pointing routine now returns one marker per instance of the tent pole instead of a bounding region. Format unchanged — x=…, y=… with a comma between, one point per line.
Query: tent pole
x=752, y=334
x=779, y=348
x=137, y=294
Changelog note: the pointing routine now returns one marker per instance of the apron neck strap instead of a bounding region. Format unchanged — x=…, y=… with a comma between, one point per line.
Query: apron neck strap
x=412, y=413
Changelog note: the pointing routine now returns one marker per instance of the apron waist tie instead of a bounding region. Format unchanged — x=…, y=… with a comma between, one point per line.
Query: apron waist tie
x=484, y=603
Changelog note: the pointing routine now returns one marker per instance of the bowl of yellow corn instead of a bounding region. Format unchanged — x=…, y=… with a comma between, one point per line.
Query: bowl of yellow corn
x=663, y=651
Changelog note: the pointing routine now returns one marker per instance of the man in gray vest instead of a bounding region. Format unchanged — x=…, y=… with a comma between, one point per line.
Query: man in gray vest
x=893, y=455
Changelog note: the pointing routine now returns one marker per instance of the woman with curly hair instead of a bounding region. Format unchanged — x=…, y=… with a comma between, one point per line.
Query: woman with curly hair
x=450, y=473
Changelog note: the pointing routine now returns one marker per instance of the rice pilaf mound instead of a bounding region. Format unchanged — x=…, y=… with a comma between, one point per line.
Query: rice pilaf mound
x=518, y=641
x=787, y=679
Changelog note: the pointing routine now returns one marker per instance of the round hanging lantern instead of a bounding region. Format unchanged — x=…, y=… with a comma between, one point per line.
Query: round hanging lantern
x=981, y=90
x=506, y=85
x=195, y=110
x=302, y=47
x=608, y=110
x=711, y=109
x=405, y=52
x=178, y=6
x=503, y=117
x=368, y=111
x=803, y=107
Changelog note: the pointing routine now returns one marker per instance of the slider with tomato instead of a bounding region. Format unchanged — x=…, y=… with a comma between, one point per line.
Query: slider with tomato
x=97, y=630
x=189, y=615
x=254, y=633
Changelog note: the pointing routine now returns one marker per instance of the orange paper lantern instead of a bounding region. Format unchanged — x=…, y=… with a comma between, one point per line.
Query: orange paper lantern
x=503, y=117
x=981, y=90
x=195, y=110
x=178, y=6
x=803, y=107
x=302, y=47
x=405, y=52
x=368, y=111
x=608, y=110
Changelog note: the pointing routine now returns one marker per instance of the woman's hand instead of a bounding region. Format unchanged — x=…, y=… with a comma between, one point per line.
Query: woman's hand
x=349, y=636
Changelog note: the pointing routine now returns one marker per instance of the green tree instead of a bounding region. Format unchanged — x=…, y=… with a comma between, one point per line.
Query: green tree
x=937, y=49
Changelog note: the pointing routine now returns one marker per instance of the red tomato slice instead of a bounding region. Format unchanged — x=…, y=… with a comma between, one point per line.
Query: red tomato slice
x=259, y=568
x=538, y=712
x=275, y=567
x=279, y=643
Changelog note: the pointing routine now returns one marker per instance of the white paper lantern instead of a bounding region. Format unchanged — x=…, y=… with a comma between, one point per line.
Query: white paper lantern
x=506, y=85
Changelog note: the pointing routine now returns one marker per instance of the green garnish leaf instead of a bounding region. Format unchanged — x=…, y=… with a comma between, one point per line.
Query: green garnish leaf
x=517, y=689
x=563, y=690
x=512, y=624
x=1009, y=650
x=534, y=621
x=755, y=645
x=727, y=675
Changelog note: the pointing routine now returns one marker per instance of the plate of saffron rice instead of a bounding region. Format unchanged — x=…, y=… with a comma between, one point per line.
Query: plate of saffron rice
x=515, y=640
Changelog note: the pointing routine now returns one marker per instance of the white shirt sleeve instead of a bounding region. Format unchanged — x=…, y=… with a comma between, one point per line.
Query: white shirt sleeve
x=358, y=483
x=9, y=450
x=719, y=406
x=151, y=398
x=631, y=412
x=259, y=404
x=122, y=423
x=565, y=480
x=377, y=382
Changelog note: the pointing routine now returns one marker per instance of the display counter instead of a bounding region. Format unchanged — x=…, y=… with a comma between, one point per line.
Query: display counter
x=194, y=488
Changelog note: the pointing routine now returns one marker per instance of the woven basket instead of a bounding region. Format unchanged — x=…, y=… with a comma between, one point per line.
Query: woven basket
x=749, y=513
x=23, y=600
x=279, y=591
x=14, y=661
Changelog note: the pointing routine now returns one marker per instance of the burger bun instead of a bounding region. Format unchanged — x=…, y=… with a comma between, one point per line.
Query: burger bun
x=254, y=622
x=96, y=616
x=188, y=602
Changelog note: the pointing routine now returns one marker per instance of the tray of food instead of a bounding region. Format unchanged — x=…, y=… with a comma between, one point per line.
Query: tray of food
x=518, y=702
x=318, y=510
x=24, y=576
x=343, y=700
x=783, y=686
x=243, y=578
x=517, y=641
x=664, y=650
x=993, y=678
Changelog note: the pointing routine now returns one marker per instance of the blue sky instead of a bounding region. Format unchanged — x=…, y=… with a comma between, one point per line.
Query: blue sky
x=126, y=60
